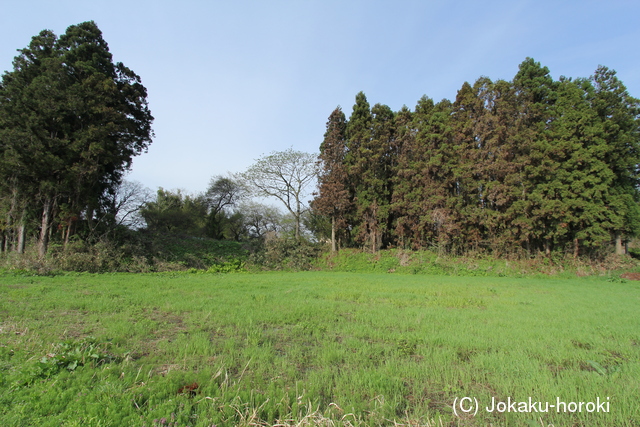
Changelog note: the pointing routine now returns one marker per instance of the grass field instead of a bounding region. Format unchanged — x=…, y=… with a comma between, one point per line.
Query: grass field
x=316, y=348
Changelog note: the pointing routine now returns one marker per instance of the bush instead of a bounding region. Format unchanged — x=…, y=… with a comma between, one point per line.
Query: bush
x=286, y=254
x=79, y=256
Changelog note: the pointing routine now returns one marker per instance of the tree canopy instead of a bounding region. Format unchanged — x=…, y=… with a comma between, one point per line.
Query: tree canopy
x=286, y=175
x=71, y=121
x=522, y=165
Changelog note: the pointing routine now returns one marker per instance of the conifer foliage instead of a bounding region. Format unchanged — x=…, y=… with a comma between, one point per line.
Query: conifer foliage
x=518, y=166
x=71, y=121
x=333, y=198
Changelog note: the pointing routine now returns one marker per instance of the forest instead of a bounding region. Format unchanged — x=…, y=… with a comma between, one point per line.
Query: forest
x=509, y=168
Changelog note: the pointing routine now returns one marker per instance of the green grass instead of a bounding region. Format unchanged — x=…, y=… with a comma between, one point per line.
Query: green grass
x=322, y=348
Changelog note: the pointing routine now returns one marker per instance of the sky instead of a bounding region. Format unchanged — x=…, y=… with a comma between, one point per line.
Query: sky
x=231, y=81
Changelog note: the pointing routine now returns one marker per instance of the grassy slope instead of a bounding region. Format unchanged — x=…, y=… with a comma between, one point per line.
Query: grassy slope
x=356, y=348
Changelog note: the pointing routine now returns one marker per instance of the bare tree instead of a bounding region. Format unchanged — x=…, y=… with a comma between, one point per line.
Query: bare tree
x=260, y=219
x=286, y=175
x=128, y=199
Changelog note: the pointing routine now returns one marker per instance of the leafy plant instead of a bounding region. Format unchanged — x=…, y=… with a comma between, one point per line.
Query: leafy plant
x=602, y=370
x=69, y=355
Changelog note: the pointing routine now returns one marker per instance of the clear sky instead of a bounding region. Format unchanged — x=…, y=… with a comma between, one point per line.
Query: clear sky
x=231, y=80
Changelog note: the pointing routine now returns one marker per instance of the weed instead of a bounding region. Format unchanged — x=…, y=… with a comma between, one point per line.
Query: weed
x=69, y=355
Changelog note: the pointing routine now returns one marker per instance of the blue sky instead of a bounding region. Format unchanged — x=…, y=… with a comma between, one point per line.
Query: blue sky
x=229, y=81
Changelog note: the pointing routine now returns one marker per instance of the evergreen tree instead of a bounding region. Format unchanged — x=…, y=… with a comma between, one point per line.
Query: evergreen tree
x=424, y=177
x=536, y=95
x=522, y=165
x=381, y=165
x=358, y=135
x=332, y=198
x=620, y=117
x=466, y=197
x=176, y=213
x=72, y=121
x=572, y=196
x=403, y=185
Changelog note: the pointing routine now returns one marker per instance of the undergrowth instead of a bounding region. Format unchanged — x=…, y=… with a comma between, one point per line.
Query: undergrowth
x=166, y=253
x=477, y=265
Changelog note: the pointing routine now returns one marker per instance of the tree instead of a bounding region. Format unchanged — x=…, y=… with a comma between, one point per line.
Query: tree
x=259, y=219
x=510, y=166
x=465, y=195
x=575, y=197
x=381, y=166
x=286, y=175
x=358, y=134
x=126, y=202
x=423, y=179
x=221, y=195
x=72, y=120
x=620, y=117
x=333, y=194
x=536, y=96
x=176, y=213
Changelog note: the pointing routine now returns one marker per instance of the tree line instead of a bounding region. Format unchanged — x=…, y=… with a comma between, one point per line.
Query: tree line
x=71, y=120
x=521, y=166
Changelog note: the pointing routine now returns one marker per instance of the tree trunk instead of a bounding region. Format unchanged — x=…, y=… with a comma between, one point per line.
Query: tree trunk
x=619, y=247
x=576, y=248
x=9, y=231
x=69, y=231
x=43, y=241
x=89, y=219
x=297, y=215
x=372, y=236
x=22, y=233
x=6, y=240
x=333, y=234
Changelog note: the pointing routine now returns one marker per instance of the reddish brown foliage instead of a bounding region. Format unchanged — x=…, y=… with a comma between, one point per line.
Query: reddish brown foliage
x=188, y=389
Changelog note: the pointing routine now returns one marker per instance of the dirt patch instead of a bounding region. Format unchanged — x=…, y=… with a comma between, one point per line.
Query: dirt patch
x=631, y=276
x=161, y=317
x=583, y=345
x=589, y=367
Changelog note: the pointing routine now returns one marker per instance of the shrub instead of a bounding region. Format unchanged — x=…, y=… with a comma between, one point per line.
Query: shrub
x=287, y=254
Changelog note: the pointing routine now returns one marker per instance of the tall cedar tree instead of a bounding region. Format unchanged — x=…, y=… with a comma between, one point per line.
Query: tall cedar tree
x=424, y=176
x=370, y=161
x=573, y=195
x=523, y=165
x=332, y=198
x=382, y=163
x=73, y=120
x=402, y=199
x=358, y=135
x=465, y=200
x=620, y=116
x=536, y=95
